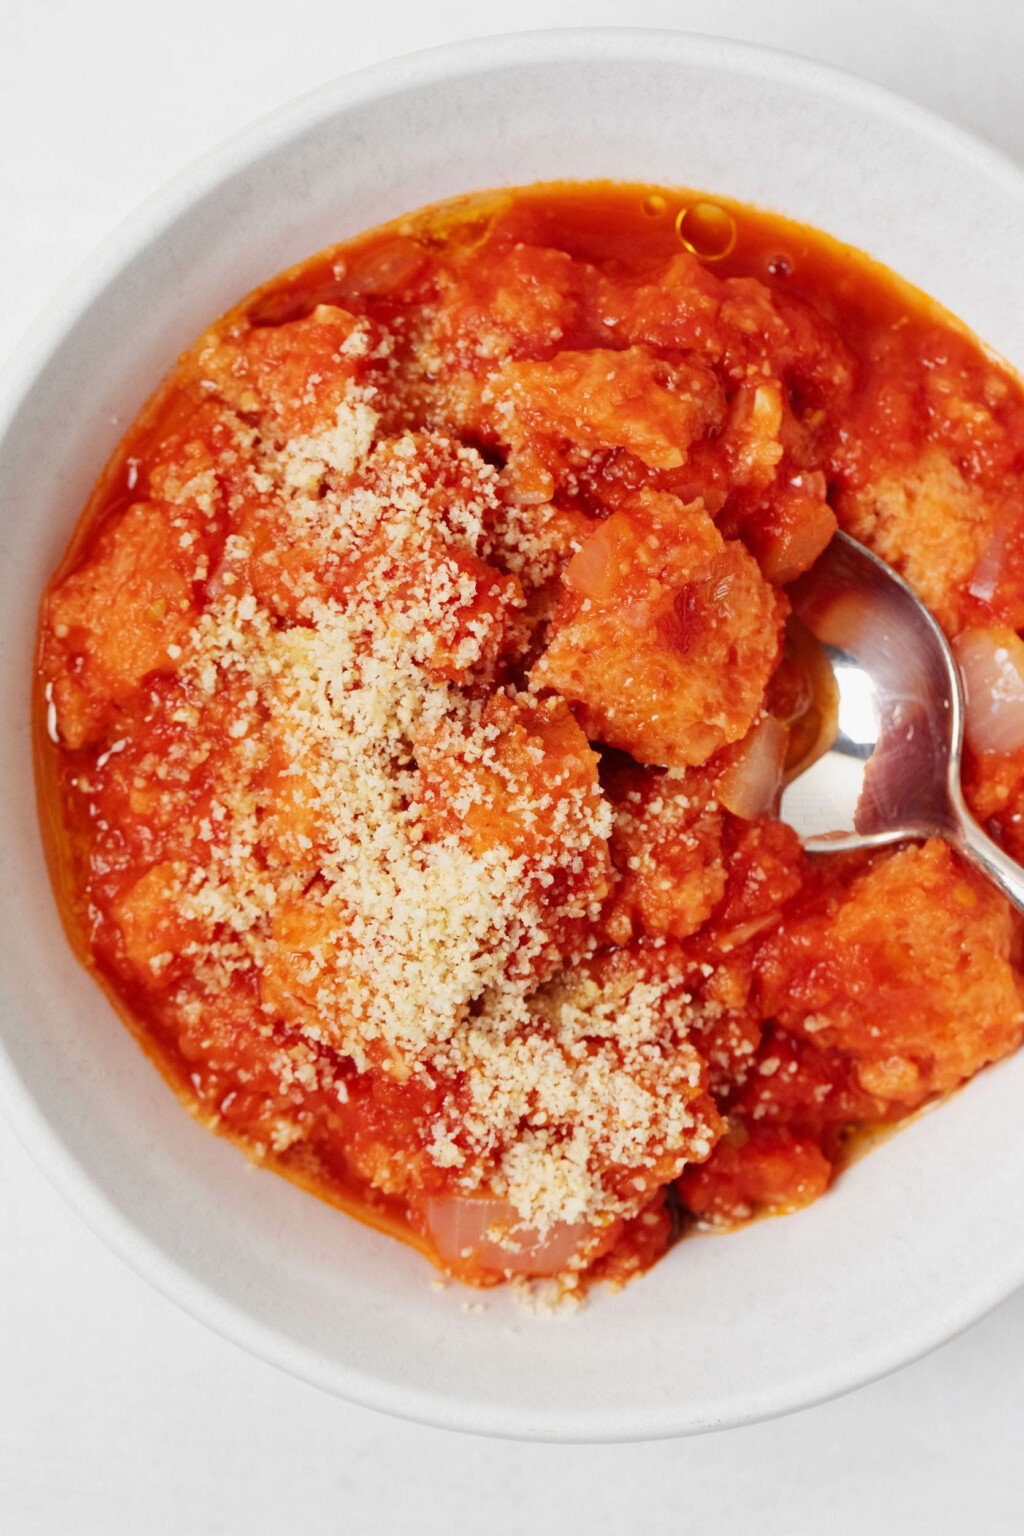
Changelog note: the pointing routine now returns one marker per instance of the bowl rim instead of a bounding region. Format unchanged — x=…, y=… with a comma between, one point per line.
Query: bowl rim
x=44, y=336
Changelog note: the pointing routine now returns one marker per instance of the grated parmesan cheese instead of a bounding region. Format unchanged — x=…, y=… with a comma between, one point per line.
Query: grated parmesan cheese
x=407, y=863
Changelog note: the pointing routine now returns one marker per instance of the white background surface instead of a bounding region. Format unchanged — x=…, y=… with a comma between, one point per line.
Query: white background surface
x=118, y=1414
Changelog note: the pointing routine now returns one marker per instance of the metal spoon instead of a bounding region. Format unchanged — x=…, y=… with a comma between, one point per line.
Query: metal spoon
x=888, y=764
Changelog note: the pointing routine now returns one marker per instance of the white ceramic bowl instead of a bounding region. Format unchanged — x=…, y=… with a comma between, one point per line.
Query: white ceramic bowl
x=917, y=1240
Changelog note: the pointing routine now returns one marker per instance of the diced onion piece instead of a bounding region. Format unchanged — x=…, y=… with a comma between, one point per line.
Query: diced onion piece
x=987, y=573
x=382, y=269
x=750, y=785
x=992, y=666
x=734, y=937
x=483, y=1233
x=591, y=572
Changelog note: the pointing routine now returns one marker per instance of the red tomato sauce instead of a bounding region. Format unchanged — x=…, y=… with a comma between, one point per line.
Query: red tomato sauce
x=414, y=692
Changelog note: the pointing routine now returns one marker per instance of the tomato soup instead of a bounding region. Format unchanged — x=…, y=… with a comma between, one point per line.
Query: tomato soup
x=415, y=693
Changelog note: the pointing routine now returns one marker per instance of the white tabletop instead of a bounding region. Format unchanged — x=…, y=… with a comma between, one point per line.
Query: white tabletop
x=120, y=1415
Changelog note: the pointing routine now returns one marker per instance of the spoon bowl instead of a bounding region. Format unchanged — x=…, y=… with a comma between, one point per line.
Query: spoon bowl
x=887, y=765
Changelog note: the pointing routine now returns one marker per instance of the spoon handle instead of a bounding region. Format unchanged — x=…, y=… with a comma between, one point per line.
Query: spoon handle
x=987, y=856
